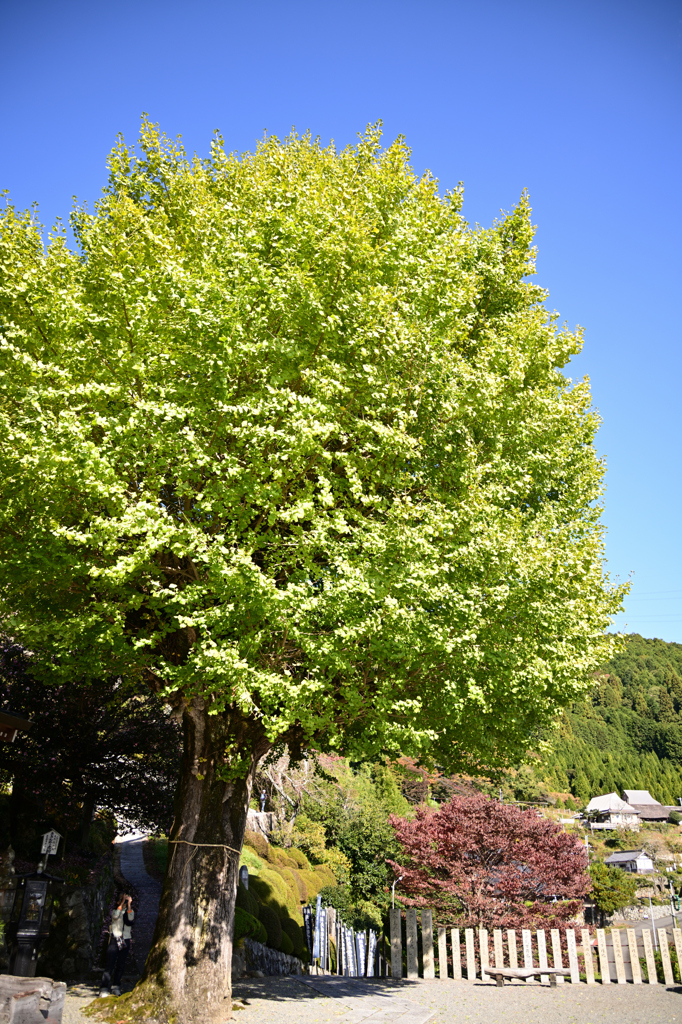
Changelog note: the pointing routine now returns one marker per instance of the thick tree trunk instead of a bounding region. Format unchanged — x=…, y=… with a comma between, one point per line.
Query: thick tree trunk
x=189, y=966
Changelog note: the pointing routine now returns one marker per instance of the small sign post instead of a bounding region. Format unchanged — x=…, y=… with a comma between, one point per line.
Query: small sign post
x=50, y=845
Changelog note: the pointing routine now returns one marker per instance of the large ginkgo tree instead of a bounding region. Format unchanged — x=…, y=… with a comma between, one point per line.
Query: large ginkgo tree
x=287, y=439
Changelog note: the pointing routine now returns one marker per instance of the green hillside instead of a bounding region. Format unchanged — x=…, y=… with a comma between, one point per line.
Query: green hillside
x=628, y=733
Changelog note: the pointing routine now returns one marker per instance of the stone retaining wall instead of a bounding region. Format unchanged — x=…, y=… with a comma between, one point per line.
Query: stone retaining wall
x=636, y=913
x=261, y=821
x=592, y=916
x=254, y=956
x=71, y=951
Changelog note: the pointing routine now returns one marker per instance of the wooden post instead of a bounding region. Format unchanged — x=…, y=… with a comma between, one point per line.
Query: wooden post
x=396, y=944
x=442, y=952
x=471, y=954
x=412, y=950
x=665, y=956
x=634, y=957
x=542, y=955
x=556, y=954
x=603, y=957
x=587, y=955
x=618, y=955
x=527, y=941
x=456, y=955
x=427, y=944
x=484, y=950
x=573, y=956
x=649, y=954
x=511, y=946
x=499, y=948
x=677, y=936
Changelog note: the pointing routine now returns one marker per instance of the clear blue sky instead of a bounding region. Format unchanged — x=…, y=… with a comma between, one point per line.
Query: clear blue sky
x=578, y=101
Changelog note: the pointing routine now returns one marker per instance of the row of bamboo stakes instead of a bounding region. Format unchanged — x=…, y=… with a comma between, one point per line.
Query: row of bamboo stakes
x=464, y=957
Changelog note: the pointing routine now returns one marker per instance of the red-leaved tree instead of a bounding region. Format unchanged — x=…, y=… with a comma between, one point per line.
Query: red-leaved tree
x=480, y=862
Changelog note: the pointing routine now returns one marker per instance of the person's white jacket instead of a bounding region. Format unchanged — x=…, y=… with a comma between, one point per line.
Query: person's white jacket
x=121, y=922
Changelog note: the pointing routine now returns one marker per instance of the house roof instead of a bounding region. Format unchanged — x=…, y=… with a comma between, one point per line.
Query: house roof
x=654, y=812
x=625, y=856
x=639, y=796
x=608, y=802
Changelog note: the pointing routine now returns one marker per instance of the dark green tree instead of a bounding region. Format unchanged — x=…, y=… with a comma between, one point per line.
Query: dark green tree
x=612, y=888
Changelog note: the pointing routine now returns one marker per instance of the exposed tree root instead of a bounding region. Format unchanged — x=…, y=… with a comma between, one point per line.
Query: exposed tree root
x=148, y=1003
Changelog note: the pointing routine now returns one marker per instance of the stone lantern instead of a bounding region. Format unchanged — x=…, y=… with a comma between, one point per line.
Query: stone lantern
x=30, y=921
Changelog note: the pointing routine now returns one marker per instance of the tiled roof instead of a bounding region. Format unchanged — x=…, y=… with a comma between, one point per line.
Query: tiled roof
x=625, y=856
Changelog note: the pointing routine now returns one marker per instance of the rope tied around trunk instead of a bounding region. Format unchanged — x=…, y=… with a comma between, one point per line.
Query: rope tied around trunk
x=186, y=842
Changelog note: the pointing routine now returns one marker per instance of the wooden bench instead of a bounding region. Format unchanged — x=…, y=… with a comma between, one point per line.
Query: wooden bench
x=31, y=1000
x=500, y=973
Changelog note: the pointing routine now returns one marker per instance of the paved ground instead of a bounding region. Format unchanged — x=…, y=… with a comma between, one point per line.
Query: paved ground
x=149, y=893
x=342, y=1001
x=77, y=997
x=313, y=1001
x=323, y=1001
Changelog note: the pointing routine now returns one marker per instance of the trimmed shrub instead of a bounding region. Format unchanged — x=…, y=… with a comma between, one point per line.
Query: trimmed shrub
x=247, y=927
x=300, y=885
x=325, y=873
x=313, y=882
x=280, y=857
x=286, y=945
x=295, y=933
x=253, y=862
x=274, y=892
x=300, y=858
x=246, y=901
x=675, y=817
x=257, y=842
x=271, y=923
x=294, y=884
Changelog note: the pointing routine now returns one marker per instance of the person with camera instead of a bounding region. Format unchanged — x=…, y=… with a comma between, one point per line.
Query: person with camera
x=120, y=941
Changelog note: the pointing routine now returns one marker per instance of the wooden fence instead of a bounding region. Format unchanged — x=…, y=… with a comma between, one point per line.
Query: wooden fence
x=465, y=954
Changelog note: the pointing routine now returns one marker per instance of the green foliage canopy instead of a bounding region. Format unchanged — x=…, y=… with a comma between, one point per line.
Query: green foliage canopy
x=612, y=888
x=286, y=434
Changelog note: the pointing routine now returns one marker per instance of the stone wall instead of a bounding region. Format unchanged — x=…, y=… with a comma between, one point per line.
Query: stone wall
x=250, y=956
x=636, y=914
x=592, y=916
x=261, y=821
x=71, y=951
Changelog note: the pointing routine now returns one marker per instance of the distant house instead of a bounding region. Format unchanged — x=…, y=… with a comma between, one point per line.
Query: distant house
x=636, y=861
x=647, y=808
x=609, y=811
